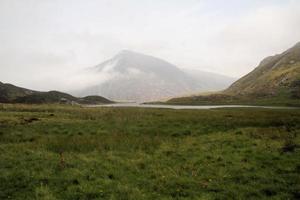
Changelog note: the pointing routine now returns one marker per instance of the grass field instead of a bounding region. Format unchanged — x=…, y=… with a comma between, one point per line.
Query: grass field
x=64, y=152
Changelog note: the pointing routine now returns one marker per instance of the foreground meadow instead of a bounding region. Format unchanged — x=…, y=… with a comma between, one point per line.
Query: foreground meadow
x=64, y=152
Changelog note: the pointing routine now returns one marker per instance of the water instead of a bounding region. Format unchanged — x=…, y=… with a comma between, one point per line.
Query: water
x=178, y=107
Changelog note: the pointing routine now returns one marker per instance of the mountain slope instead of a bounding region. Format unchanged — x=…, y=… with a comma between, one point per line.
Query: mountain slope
x=13, y=94
x=275, y=74
x=93, y=100
x=138, y=77
x=9, y=92
x=275, y=81
x=46, y=97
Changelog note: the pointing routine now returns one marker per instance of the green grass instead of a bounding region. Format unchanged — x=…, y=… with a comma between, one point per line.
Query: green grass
x=65, y=152
x=281, y=99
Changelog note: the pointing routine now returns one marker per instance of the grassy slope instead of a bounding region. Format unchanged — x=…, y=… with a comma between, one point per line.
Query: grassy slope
x=9, y=92
x=273, y=74
x=94, y=100
x=55, y=152
x=45, y=97
x=276, y=81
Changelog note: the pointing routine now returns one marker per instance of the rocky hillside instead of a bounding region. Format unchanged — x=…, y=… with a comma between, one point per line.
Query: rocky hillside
x=276, y=75
x=275, y=81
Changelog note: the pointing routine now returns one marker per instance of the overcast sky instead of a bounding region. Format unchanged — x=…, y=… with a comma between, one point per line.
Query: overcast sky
x=43, y=41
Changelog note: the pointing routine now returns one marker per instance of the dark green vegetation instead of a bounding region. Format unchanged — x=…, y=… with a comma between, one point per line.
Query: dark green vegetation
x=224, y=99
x=93, y=100
x=9, y=92
x=276, y=81
x=13, y=94
x=65, y=152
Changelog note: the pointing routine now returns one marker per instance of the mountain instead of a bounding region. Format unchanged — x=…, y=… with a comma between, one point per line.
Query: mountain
x=137, y=77
x=276, y=75
x=9, y=92
x=275, y=81
x=46, y=97
x=13, y=94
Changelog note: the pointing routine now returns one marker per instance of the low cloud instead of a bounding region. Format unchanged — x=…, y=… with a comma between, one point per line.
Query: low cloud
x=45, y=43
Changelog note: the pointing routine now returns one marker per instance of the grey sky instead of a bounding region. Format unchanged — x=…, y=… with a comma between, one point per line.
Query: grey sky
x=45, y=41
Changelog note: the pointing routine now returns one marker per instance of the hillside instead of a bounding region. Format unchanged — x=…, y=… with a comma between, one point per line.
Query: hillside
x=137, y=77
x=9, y=92
x=13, y=94
x=46, y=97
x=93, y=100
x=275, y=75
x=275, y=81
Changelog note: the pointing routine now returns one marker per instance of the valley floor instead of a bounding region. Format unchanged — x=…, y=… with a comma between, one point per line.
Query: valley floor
x=65, y=152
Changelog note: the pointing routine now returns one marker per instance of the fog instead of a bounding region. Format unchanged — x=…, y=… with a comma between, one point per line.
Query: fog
x=49, y=44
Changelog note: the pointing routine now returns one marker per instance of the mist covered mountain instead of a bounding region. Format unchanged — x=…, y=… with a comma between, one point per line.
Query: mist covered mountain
x=132, y=76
